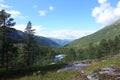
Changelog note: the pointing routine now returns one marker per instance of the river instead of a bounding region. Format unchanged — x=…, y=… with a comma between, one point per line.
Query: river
x=74, y=66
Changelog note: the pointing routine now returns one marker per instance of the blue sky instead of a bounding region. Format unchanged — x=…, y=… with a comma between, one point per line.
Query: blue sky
x=64, y=19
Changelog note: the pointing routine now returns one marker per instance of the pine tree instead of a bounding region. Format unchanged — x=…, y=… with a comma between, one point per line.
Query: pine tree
x=28, y=43
x=6, y=22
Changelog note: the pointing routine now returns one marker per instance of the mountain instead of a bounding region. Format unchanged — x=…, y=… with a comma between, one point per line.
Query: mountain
x=19, y=36
x=108, y=32
x=46, y=41
x=61, y=42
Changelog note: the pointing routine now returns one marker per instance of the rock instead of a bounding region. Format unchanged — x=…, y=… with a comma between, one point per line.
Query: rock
x=107, y=70
x=118, y=78
x=93, y=76
x=110, y=72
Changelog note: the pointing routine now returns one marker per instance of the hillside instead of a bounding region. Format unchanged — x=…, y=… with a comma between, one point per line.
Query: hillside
x=19, y=36
x=108, y=32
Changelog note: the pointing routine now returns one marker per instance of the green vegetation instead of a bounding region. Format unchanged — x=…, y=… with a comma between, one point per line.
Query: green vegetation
x=8, y=50
x=104, y=62
x=67, y=75
x=109, y=32
x=21, y=60
x=19, y=72
x=94, y=51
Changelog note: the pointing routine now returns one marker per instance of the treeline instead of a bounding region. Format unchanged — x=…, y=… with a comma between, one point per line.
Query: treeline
x=26, y=53
x=97, y=51
x=19, y=54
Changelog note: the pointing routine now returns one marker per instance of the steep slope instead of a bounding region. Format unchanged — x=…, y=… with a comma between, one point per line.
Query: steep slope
x=108, y=32
x=46, y=41
x=19, y=36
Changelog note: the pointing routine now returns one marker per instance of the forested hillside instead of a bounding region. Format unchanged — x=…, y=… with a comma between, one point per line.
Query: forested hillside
x=19, y=36
x=20, y=50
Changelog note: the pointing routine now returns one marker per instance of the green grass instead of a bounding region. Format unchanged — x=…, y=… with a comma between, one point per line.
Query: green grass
x=98, y=64
x=12, y=73
x=66, y=75
x=48, y=72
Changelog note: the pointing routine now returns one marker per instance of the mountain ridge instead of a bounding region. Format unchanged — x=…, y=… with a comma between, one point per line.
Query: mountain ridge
x=108, y=32
x=18, y=35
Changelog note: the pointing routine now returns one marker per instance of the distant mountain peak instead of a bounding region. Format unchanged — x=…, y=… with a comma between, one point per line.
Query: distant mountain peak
x=61, y=42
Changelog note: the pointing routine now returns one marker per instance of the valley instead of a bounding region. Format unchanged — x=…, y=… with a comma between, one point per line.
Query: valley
x=25, y=56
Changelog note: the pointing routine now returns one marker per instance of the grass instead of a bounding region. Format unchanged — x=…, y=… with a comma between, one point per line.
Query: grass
x=73, y=74
x=46, y=73
x=27, y=71
x=66, y=75
x=98, y=64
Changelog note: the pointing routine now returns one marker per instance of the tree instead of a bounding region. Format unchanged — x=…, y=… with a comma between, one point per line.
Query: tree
x=6, y=22
x=92, y=51
x=103, y=48
x=28, y=43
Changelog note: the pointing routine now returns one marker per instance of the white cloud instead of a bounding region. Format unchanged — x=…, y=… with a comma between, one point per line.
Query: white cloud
x=3, y=6
x=51, y=8
x=66, y=34
x=106, y=14
x=38, y=29
x=22, y=27
x=101, y=1
x=60, y=34
x=16, y=14
x=42, y=12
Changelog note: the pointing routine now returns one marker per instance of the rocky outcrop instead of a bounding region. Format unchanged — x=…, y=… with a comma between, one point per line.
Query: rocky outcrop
x=106, y=73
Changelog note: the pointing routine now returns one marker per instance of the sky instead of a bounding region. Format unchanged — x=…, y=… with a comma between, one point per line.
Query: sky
x=63, y=19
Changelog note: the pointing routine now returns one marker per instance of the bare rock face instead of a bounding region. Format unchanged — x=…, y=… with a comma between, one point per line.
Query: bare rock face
x=107, y=73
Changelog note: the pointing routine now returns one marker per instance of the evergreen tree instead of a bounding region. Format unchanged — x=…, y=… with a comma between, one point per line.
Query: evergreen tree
x=102, y=48
x=28, y=43
x=7, y=49
x=92, y=51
